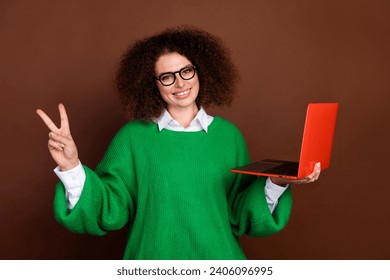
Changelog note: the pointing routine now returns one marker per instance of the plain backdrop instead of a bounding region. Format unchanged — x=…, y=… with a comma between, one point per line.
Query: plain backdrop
x=289, y=53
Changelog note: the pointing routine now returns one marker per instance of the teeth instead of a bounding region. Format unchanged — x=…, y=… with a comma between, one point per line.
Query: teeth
x=182, y=93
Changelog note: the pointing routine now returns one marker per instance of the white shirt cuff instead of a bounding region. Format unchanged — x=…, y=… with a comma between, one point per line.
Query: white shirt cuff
x=73, y=180
x=272, y=193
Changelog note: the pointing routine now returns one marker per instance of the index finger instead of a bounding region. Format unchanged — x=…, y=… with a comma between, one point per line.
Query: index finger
x=49, y=123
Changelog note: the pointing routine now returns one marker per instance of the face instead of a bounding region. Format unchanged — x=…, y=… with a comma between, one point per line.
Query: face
x=182, y=93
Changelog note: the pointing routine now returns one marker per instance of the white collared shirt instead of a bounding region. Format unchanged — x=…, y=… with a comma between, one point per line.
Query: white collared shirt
x=74, y=178
x=201, y=122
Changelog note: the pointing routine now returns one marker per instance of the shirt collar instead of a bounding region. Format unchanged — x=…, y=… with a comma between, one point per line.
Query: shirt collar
x=201, y=120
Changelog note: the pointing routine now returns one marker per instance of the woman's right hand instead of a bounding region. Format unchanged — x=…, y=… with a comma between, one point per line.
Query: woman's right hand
x=61, y=145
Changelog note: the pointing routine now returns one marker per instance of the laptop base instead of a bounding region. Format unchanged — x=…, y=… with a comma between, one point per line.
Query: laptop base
x=271, y=168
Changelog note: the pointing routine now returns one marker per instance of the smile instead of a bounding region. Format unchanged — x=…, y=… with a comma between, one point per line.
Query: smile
x=182, y=93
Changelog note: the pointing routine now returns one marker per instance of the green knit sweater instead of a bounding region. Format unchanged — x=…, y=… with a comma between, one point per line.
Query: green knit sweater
x=176, y=194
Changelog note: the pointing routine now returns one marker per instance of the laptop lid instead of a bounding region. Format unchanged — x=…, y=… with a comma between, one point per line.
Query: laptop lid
x=317, y=138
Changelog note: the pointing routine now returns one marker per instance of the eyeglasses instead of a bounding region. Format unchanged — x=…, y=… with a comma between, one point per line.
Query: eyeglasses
x=168, y=78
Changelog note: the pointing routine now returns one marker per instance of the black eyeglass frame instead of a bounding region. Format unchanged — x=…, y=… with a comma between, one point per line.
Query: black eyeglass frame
x=174, y=75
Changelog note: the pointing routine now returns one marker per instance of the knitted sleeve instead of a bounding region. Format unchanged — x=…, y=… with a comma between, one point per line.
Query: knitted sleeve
x=107, y=201
x=249, y=212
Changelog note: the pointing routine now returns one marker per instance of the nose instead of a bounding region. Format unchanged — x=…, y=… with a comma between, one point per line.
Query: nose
x=179, y=81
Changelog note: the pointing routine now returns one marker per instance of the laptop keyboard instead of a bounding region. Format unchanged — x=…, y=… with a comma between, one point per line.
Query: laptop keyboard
x=285, y=169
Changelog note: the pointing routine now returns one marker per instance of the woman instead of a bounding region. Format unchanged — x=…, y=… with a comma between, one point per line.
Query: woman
x=166, y=172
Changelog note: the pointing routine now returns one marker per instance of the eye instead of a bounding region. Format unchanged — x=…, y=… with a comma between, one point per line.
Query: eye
x=187, y=70
x=166, y=77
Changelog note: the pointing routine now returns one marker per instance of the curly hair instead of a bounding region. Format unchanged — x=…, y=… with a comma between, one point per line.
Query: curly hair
x=135, y=79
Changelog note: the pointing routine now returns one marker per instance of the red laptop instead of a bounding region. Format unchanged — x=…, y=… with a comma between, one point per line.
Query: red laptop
x=316, y=146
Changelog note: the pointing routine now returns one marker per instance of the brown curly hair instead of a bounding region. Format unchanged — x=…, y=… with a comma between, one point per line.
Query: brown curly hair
x=135, y=79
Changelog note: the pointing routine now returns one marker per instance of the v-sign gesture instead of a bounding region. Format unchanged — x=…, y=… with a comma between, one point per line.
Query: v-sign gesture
x=61, y=145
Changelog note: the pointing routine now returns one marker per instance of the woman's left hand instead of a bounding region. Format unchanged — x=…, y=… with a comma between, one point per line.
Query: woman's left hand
x=308, y=179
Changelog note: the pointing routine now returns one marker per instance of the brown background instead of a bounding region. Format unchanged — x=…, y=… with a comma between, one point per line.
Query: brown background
x=288, y=52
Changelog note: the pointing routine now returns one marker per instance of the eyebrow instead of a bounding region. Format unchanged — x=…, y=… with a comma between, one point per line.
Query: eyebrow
x=188, y=65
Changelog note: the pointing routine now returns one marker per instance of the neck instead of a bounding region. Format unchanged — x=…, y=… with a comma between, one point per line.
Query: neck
x=184, y=116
